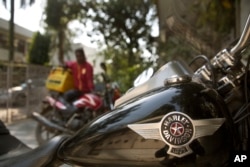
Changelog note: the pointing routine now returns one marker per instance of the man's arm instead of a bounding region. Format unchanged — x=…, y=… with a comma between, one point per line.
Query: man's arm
x=68, y=64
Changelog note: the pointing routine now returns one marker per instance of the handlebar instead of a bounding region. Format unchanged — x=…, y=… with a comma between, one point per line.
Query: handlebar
x=226, y=59
x=244, y=38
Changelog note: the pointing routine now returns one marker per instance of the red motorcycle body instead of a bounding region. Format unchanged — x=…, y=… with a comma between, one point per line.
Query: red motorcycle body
x=88, y=100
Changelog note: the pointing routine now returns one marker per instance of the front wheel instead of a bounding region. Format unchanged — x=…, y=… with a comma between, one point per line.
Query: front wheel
x=44, y=133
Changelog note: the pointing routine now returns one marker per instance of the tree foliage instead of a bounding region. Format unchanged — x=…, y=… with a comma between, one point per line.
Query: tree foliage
x=215, y=21
x=126, y=28
x=39, y=49
x=119, y=70
x=59, y=13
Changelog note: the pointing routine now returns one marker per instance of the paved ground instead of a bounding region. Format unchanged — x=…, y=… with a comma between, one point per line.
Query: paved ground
x=24, y=130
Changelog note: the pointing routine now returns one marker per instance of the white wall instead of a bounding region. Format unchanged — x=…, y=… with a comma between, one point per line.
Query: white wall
x=18, y=57
x=20, y=33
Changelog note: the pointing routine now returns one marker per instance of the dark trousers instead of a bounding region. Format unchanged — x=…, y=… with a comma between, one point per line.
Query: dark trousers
x=72, y=95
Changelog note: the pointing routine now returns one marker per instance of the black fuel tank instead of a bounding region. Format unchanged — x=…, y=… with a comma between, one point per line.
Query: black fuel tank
x=107, y=139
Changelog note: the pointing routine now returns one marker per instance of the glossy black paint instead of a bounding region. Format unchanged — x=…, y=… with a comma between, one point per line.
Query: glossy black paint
x=190, y=98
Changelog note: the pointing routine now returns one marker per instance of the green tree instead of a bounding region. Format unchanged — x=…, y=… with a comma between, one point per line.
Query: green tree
x=39, y=49
x=126, y=28
x=119, y=70
x=59, y=13
x=215, y=21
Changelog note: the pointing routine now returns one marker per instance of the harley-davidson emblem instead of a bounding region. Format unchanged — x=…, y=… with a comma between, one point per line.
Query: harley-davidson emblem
x=178, y=130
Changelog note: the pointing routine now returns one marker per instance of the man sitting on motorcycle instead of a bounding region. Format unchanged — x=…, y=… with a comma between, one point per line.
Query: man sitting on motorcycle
x=82, y=72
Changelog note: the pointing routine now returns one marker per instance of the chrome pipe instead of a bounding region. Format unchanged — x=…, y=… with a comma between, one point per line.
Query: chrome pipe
x=44, y=121
x=244, y=38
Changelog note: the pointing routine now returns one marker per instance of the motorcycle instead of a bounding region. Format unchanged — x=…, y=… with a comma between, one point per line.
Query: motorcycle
x=59, y=116
x=179, y=117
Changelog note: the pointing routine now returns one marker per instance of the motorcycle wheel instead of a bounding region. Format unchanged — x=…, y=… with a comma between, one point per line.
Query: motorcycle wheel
x=43, y=133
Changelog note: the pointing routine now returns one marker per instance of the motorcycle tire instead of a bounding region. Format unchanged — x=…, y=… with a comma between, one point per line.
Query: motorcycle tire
x=43, y=133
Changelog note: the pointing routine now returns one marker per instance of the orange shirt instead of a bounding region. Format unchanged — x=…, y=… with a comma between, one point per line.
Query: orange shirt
x=83, y=76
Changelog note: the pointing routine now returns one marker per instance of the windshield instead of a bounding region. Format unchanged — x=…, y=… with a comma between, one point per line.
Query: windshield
x=170, y=70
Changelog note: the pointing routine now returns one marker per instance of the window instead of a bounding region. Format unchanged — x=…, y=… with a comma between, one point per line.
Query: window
x=21, y=46
x=3, y=41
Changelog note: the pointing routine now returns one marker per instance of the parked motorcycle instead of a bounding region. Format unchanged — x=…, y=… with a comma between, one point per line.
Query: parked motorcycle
x=176, y=118
x=59, y=116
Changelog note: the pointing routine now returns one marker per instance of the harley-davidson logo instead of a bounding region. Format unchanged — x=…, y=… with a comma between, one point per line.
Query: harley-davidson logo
x=177, y=129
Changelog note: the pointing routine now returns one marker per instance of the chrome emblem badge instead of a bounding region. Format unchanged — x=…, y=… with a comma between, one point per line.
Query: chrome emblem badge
x=178, y=130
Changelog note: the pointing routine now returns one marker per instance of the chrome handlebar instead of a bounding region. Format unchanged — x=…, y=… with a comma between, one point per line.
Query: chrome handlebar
x=227, y=61
x=244, y=38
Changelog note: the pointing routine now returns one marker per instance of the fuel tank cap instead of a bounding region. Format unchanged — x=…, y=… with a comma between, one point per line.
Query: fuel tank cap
x=177, y=79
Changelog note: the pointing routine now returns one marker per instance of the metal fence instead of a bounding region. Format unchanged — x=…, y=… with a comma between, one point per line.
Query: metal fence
x=22, y=89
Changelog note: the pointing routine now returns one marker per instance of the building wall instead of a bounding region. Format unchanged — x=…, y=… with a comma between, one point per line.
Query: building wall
x=22, y=40
x=168, y=7
x=244, y=12
x=21, y=43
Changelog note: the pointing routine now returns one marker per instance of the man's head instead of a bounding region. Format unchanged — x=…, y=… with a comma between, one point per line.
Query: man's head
x=80, y=56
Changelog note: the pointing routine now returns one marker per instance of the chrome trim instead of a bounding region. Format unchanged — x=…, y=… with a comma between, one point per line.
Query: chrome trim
x=244, y=38
x=179, y=79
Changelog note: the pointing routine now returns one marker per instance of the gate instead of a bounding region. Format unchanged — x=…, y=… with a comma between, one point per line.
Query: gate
x=22, y=89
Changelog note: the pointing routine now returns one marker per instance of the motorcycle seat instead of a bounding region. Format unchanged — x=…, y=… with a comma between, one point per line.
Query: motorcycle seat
x=39, y=156
x=11, y=146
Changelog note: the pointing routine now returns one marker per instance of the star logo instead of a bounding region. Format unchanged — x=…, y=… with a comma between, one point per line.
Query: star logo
x=176, y=129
